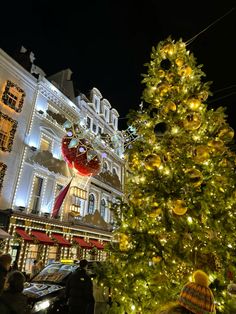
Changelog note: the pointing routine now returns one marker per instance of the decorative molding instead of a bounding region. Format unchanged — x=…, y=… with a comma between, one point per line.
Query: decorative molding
x=3, y=169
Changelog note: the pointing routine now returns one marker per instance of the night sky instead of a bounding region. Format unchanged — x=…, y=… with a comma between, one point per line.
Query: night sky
x=106, y=42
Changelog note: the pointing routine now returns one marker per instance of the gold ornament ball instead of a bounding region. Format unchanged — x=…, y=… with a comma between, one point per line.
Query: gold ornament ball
x=195, y=176
x=201, y=154
x=155, y=213
x=194, y=104
x=179, y=62
x=163, y=89
x=216, y=146
x=170, y=106
x=192, y=122
x=179, y=207
x=156, y=259
x=226, y=134
x=152, y=162
x=185, y=71
x=168, y=48
x=161, y=73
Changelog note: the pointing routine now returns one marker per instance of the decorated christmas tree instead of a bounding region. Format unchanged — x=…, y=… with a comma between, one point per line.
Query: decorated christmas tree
x=179, y=210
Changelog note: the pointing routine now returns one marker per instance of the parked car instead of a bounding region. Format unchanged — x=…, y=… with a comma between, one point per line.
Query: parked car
x=45, y=291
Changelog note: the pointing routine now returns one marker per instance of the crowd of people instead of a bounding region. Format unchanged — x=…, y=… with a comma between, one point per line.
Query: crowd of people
x=195, y=297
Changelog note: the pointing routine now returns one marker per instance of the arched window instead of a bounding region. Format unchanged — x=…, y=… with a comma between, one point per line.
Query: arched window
x=91, y=204
x=114, y=171
x=103, y=208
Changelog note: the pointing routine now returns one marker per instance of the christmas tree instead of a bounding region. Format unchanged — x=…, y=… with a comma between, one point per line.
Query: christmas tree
x=179, y=211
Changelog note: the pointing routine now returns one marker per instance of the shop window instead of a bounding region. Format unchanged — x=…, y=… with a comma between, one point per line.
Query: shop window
x=36, y=195
x=13, y=96
x=3, y=169
x=7, y=132
x=45, y=144
x=103, y=208
x=91, y=204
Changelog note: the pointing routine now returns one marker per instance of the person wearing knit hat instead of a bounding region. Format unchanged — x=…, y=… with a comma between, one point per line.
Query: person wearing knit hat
x=196, y=296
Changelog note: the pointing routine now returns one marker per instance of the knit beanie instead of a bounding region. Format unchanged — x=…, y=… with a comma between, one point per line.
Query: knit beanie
x=196, y=296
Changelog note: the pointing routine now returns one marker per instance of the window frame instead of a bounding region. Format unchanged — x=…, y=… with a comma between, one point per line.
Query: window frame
x=9, y=87
x=8, y=146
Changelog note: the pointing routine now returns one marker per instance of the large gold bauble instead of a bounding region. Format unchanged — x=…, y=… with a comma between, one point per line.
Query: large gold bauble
x=201, y=154
x=192, y=122
x=179, y=207
x=168, y=48
x=163, y=89
x=185, y=71
x=216, y=146
x=152, y=162
x=169, y=106
x=193, y=104
x=226, y=134
x=179, y=62
x=195, y=176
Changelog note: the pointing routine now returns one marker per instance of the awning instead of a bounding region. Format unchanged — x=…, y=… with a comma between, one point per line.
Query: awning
x=60, y=240
x=98, y=245
x=42, y=237
x=23, y=234
x=82, y=243
x=4, y=235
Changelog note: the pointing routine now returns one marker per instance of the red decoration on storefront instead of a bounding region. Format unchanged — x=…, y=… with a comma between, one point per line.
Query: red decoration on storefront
x=78, y=157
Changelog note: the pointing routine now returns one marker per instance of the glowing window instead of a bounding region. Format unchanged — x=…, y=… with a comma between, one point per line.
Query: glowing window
x=7, y=132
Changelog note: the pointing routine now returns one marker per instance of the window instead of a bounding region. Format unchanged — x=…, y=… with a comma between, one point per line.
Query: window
x=99, y=130
x=106, y=114
x=45, y=144
x=7, y=132
x=78, y=197
x=3, y=169
x=94, y=128
x=96, y=101
x=13, y=96
x=103, y=208
x=36, y=195
x=88, y=122
x=114, y=171
x=91, y=204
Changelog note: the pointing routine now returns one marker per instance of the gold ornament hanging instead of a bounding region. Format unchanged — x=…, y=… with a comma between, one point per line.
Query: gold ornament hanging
x=163, y=89
x=201, y=154
x=216, y=146
x=168, y=49
x=156, y=259
x=170, y=106
x=179, y=62
x=185, y=71
x=192, y=122
x=195, y=176
x=179, y=207
x=152, y=162
x=193, y=104
x=226, y=134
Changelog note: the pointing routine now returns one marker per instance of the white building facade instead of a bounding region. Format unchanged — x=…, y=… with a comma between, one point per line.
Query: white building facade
x=33, y=115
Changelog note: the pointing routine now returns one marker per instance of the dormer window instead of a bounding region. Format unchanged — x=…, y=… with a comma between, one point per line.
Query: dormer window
x=106, y=114
x=97, y=105
x=13, y=96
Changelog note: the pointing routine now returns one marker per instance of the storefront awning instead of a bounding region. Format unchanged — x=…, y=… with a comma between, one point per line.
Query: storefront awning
x=60, y=240
x=23, y=234
x=98, y=245
x=4, y=235
x=42, y=237
x=82, y=243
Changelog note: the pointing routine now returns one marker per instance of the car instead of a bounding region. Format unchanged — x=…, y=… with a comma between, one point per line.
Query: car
x=46, y=290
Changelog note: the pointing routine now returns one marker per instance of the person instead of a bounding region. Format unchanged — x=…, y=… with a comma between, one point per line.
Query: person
x=34, y=270
x=79, y=291
x=5, y=263
x=195, y=297
x=14, y=266
x=12, y=300
x=40, y=265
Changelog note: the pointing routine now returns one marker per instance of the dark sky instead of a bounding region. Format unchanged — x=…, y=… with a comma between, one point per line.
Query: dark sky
x=106, y=42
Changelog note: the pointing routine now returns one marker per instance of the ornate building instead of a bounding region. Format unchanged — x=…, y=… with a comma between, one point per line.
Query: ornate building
x=34, y=117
